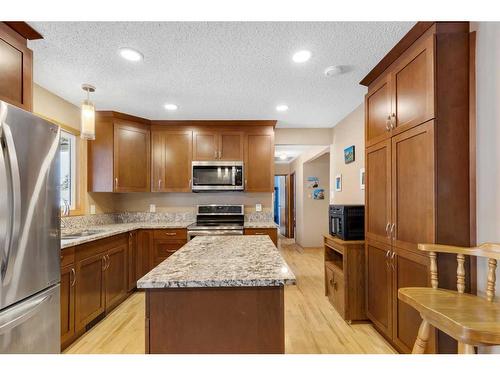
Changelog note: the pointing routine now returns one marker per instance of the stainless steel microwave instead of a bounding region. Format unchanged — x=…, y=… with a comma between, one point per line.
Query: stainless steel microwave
x=217, y=176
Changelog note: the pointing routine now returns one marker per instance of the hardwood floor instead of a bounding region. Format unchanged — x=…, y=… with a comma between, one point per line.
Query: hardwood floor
x=311, y=324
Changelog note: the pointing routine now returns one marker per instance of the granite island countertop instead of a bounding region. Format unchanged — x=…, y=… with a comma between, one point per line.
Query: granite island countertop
x=108, y=230
x=221, y=261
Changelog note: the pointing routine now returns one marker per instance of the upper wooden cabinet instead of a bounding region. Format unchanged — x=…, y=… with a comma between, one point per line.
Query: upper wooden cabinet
x=119, y=157
x=417, y=170
x=217, y=145
x=259, y=162
x=16, y=64
x=171, y=160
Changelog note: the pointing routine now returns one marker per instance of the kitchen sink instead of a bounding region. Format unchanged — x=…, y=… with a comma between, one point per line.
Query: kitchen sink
x=83, y=233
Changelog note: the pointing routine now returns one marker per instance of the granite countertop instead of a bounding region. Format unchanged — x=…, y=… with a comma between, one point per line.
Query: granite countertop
x=109, y=230
x=221, y=261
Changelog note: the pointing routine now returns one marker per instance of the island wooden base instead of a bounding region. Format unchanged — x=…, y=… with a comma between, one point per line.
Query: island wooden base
x=215, y=320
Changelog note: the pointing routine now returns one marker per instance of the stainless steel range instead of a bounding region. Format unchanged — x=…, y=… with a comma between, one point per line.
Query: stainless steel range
x=217, y=220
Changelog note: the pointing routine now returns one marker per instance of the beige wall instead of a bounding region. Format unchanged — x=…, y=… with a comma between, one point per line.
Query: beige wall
x=349, y=131
x=55, y=108
x=281, y=168
x=315, y=136
x=297, y=167
x=488, y=143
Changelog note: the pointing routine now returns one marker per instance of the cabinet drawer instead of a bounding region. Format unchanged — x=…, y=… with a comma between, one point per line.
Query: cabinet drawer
x=331, y=243
x=271, y=232
x=170, y=234
x=67, y=256
x=335, y=289
x=162, y=249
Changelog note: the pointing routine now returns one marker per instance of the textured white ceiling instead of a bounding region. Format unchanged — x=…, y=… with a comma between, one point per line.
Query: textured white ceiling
x=214, y=70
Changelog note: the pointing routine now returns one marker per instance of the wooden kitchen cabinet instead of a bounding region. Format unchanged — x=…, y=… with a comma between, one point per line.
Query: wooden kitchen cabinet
x=119, y=157
x=217, y=145
x=116, y=271
x=171, y=160
x=132, y=260
x=144, y=248
x=417, y=172
x=67, y=296
x=165, y=243
x=16, y=64
x=259, y=162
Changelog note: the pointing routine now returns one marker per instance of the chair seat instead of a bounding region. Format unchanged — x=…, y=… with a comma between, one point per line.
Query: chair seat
x=467, y=318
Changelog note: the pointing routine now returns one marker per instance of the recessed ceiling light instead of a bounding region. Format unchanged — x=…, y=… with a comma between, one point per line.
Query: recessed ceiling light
x=131, y=54
x=171, y=107
x=333, y=70
x=282, y=108
x=283, y=156
x=301, y=56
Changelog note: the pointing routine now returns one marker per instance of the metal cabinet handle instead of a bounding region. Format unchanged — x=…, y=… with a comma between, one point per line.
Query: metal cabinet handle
x=387, y=229
x=116, y=182
x=170, y=233
x=393, y=121
x=109, y=261
x=388, y=125
x=159, y=184
x=392, y=261
x=393, y=231
x=103, y=259
x=73, y=277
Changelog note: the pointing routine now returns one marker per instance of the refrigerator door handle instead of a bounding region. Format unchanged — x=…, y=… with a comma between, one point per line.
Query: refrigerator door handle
x=14, y=318
x=11, y=248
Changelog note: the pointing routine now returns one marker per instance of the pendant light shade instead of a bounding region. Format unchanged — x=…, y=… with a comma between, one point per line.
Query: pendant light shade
x=88, y=115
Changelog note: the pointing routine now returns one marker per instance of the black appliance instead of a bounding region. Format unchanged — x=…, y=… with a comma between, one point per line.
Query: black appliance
x=347, y=221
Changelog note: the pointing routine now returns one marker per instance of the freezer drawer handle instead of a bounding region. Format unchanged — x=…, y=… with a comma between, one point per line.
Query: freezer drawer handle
x=26, y=312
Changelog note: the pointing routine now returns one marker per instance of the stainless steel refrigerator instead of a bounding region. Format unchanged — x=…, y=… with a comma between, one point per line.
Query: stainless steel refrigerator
x=29, y=233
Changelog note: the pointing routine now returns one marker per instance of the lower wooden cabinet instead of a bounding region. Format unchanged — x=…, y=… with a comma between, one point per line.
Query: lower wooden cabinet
x=271, y=232
x=132, y=260
x=115, y=276
x=144, y=242
x=388, y=269
x=67, y=300
x=165, y=243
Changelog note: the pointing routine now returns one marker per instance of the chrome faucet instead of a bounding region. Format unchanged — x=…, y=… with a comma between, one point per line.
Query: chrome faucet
x=65, y=207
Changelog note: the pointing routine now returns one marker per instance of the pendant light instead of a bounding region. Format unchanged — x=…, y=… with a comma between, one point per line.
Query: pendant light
x=88, y=115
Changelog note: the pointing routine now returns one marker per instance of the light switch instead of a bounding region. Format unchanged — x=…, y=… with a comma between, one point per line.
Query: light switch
x=152, y=208
x=92, y=209
x=258, y=207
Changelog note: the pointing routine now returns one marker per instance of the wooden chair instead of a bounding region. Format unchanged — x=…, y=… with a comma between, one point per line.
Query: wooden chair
x=469, y=319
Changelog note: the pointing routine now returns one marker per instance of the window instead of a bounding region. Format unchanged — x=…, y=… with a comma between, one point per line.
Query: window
x=68, y=169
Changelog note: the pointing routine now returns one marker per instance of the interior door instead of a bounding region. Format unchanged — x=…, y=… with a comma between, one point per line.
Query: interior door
x=116, y=276
x=378, y=111
x=32, y=326
x=413, y=213
x=230, y=146
x=379, y=286
x=410, y=270
x=259, y=163
x=413, y=86
x=29, y=204
x=89, y=290
x=131, y=157
x=205, y=145
x=378, y=191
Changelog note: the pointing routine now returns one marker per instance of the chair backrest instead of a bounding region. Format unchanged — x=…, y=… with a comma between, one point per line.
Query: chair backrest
x=486, y=250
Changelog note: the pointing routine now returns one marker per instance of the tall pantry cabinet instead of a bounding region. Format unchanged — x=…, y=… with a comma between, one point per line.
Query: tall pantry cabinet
x=417, y=172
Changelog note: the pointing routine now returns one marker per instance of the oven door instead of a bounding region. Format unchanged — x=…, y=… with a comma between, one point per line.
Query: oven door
x=217, y=175
x=227, y=232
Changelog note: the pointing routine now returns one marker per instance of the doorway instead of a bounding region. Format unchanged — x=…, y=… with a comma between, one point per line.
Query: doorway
x=280, y=203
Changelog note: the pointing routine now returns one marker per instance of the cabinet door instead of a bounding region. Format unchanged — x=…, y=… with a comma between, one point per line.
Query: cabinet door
x=162, y=249
x=379, y=286
x=144, y=245
x=132, y=260
x=116, y=276
x=410, y=270
x=131, y=157
x=259, y=163
x=378, y=111
x=413, y=213
x=171, y=161
x=378, y=191
x=16, y=70
x=89, y=290
x=205, y=145
x=67, y=301
x=230, y=146
x=413, y=86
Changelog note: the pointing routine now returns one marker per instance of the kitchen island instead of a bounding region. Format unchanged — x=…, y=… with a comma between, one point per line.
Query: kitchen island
x=218, y=294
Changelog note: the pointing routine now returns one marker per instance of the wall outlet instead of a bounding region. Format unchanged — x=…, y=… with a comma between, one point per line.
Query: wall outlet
x=152, y=208
x=258, y=207
x=92, y=209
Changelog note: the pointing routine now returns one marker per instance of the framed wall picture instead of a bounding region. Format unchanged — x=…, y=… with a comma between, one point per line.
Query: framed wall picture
x=349, y=154
x=338, y=182
x=362, y=179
